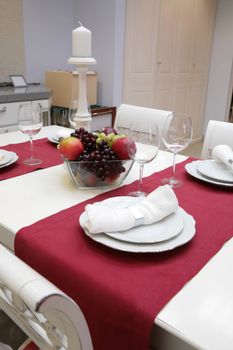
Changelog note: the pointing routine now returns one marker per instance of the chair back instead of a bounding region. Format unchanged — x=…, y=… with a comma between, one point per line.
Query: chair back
x=48, y=316
x=217, y=133
x=126, y=114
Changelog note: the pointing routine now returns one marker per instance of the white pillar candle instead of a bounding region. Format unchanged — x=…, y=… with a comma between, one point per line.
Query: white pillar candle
x=81, y=38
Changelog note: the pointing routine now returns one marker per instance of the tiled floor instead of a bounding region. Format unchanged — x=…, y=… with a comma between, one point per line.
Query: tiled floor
x=9, y=333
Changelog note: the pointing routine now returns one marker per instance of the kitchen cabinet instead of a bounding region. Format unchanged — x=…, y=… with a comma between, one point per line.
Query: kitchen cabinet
x=10, y=100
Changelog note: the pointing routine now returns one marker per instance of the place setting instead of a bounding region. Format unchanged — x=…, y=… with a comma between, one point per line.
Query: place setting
x=218, y=170
x=62, y=133
x=150, y=224
x=56, y=136
x=140, y=222
x=7, y=158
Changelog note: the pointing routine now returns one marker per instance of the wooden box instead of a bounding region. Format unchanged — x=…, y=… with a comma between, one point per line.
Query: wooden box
x=65, y=87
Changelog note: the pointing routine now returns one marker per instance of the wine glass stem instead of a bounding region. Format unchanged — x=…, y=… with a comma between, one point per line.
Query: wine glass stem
x=31, y=146
x=174, y=165
x=140, y=177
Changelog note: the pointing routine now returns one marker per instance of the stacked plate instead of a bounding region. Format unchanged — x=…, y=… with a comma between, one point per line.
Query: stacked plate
x=7, y=158
x=169, y=233
x=211, y=171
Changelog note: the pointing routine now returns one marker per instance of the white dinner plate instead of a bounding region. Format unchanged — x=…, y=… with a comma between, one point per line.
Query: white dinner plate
x=191, y=168
x=215, y=171
x=14, y=158
x=55, y=136
x=182, y=238
x=53, y=140
x=157, y=232
x=5, y=156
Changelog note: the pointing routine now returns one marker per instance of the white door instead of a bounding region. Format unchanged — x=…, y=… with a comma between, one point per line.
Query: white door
x=167, y=51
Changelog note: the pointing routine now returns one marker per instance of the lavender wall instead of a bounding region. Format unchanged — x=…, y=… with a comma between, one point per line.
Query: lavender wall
x=105, y=18
x=48, y=28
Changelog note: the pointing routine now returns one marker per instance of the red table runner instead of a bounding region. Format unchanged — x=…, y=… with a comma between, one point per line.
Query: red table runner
x=43, y=149
x=121, y=293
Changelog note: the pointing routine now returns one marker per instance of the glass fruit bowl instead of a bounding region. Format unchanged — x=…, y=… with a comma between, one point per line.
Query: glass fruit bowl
x=92, y=174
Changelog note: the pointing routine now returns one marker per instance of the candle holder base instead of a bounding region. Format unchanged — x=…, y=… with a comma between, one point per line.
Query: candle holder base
x=86, y=124
x=82, y=118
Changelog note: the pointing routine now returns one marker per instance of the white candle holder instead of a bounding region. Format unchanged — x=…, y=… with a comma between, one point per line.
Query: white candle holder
x=82, y=118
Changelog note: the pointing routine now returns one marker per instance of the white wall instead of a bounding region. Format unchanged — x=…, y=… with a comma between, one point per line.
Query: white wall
x=220, y=79
x=105, y=18
x=48, y=28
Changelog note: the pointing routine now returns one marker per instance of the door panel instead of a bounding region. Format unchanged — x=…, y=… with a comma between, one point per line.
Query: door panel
x=164, y=66
x=140, y=44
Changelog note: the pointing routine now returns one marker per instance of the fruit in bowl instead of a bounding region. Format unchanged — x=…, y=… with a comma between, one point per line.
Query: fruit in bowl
x=97, y=159
x=122, y=146
x=71, y=147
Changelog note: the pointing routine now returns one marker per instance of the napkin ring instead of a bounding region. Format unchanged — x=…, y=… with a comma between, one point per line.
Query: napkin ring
x=139, y=217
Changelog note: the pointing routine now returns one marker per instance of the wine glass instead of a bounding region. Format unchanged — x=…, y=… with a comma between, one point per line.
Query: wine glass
x=176, y=136
x=30, y=123
x=71, y=114
x=146, y=137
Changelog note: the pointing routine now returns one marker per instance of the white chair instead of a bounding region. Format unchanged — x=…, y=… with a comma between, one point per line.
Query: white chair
x=126, y=114
x=217, y=133
x=49, y=317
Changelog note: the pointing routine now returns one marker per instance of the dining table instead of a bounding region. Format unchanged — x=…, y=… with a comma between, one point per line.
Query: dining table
x=194, y=303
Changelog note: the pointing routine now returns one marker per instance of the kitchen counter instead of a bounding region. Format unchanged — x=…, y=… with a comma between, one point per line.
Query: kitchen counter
x=29, y=93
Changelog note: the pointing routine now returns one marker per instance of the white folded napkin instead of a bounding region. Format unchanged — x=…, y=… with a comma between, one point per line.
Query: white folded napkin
x=156, y=206
x=223, y=154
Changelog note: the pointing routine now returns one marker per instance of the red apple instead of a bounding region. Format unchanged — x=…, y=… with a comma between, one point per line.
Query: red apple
x=71, y=147
x=90, y=180
x=110, y=179
x=124, y=147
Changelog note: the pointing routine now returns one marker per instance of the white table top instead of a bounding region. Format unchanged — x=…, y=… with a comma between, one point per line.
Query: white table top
x=201, y=314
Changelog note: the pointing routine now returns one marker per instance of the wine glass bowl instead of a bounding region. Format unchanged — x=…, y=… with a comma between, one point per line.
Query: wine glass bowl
x=176, y=136
x=146, y=138
x=71, y=114
x=30, y=123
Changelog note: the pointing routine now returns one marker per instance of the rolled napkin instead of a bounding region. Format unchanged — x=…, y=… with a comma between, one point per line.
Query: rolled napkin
x=223, y=154
x=156, y=206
